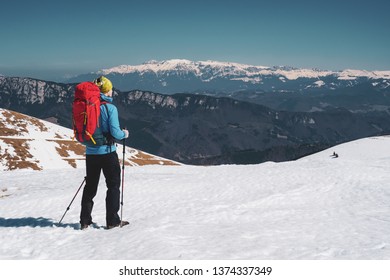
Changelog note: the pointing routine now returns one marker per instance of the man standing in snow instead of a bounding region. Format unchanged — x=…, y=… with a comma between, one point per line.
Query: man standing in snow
x=104, y=158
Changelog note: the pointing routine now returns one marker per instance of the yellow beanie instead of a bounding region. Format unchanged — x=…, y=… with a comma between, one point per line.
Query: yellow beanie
x=104, y=84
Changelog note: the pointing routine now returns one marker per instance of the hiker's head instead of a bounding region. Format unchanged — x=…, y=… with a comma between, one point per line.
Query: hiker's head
x=104, y=85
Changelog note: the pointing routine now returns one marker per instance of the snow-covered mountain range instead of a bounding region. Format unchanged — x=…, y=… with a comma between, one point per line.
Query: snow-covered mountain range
x=30, y=143
x=181, y=75
x=208, y=70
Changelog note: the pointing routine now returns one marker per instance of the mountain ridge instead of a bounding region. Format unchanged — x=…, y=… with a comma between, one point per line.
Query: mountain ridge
x=231, y=68
x=228, y=78
x=204, y=129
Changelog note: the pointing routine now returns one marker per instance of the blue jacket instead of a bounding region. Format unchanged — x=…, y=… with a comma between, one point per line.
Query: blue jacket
x=109, y=122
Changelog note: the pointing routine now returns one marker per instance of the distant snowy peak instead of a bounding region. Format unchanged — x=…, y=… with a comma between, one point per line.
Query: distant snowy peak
x=350, y=74
x=208, y=69
x=183, y=65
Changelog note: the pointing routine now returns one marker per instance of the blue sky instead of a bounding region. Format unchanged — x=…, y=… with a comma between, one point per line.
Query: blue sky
x=49, y=39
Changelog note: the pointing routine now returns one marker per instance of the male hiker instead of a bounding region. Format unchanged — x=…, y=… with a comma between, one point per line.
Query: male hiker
x=101, y=156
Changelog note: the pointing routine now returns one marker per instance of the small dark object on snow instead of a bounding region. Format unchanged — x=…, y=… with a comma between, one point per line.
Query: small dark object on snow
x=335, y=155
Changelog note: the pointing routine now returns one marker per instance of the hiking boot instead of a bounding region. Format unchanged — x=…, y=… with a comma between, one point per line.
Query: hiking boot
x=121, y=224
x=84, y=227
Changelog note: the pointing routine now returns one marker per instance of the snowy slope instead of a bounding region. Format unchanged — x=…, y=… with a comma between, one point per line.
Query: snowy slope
x=29, y=143
x=317, y=207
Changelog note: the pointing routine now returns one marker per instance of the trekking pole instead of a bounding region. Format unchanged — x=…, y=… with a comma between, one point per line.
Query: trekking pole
x=67, y=209
x=123, y=177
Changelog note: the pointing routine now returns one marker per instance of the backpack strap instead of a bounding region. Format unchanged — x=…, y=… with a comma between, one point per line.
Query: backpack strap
x=109, y=140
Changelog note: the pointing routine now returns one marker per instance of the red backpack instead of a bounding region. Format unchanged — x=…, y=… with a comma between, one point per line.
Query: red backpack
x=86, y=112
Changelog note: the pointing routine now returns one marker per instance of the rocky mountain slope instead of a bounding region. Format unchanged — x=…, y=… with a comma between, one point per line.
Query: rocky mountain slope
x=30, y=143
x=207, y=130
x=202, y=129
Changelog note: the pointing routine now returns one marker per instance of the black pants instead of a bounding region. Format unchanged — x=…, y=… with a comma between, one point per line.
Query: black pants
x=109, y=163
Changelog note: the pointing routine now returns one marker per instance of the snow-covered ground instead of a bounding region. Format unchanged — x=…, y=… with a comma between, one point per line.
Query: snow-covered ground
x=314, y=208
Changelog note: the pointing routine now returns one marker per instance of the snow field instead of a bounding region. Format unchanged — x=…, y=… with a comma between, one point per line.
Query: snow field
x=314, y=208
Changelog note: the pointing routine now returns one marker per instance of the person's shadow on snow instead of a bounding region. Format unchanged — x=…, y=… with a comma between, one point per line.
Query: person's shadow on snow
x=33, y=222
